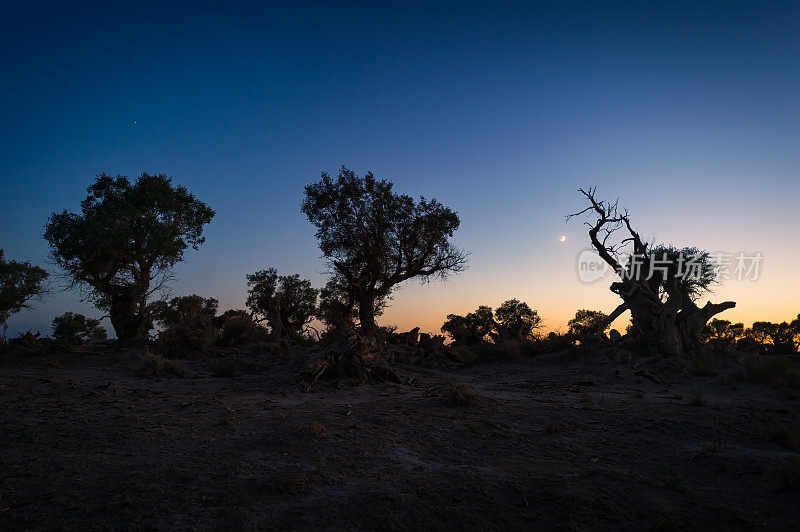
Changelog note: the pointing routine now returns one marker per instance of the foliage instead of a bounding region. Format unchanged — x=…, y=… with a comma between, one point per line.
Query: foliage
x=775, y=371
x=513, y=321
x=588, y=323
x=287, y=302
x=125, y=241
x=78, y=329
x=20, y=283
x=239, y=327
x=460, y=394
x=187, y=323
x=155, y=366
x=720, y=335
x=776, y=338
x=375, y=239
x=472, y=328
x=696, y=272
x=659, y=285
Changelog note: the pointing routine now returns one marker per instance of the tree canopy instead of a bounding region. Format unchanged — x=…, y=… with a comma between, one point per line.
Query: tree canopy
x=287, y=302
x=124, y=242
x=513, y=320
x=471, y=329
x=77, y=328
x=588, y=323
x=375, y=239
x=20, y=284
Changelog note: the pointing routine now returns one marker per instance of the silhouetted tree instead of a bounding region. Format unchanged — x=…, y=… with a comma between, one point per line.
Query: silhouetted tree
x=588, y=323
x=125, y=241
x=78, y=329
x=287, y=302
x=375, y=239
x=20, y=283
x=778, y=338
x=239, y=327
x=721, y=334
x=471, y=329
x=186, y=323
x=515, y=321
x=661, y=297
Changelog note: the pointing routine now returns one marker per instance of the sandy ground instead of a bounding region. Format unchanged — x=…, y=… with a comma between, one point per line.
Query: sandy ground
x=571, y=441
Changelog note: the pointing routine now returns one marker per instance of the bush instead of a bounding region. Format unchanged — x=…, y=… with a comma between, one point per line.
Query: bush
x=586, y=325
x=513, y=321
x=154, y=365
x=508, y=351
x=187, y=324
x=75, y=328
x=554, y=342
x=776, y=371
x=458, y=395
x=237, y=327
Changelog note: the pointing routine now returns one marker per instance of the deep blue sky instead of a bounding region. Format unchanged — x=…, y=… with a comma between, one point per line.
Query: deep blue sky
x=688, y=111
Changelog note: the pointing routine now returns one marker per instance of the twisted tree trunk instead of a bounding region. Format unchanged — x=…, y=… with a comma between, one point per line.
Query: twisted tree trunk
x=129, y=317
x=665, y=317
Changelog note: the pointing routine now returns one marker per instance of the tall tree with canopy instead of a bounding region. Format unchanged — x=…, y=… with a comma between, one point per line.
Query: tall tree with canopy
x=588, y=323
x=125, y=241
x=471, y=329
x=660, y=286
x=287, y=302
x=20, y=284
x=515, y=321
x=374, y=238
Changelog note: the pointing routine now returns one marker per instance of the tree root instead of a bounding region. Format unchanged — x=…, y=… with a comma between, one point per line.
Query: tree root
x=360, y=359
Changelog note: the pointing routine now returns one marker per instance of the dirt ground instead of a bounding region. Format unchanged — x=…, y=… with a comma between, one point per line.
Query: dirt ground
x=570, y=440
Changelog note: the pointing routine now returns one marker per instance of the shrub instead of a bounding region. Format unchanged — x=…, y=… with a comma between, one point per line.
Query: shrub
x=238, y=327
x=471, y=329
x=586, y=325
x=78, y=329
x=154, y=365
x=776, y=371
x=507, y=351
x=458, y=395
x=187, y=324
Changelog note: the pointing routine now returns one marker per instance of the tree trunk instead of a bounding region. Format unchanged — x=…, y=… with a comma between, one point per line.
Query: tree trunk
x=130, y=322
x=275, y=323
x=366, y=314
x=669, y=333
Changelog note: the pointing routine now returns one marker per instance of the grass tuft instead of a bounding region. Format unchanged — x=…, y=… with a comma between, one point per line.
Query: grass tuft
x=155, y=366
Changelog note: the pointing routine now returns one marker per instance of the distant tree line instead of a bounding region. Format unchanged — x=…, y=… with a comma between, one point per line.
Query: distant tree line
x=122, y=245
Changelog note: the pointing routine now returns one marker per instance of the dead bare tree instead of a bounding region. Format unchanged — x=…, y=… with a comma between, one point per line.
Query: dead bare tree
x=660, y=296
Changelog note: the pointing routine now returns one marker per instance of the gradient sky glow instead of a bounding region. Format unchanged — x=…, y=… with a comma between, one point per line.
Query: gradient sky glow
x=689, y=112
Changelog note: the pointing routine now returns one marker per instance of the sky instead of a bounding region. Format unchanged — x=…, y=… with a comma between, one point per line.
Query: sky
x=688, y=112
